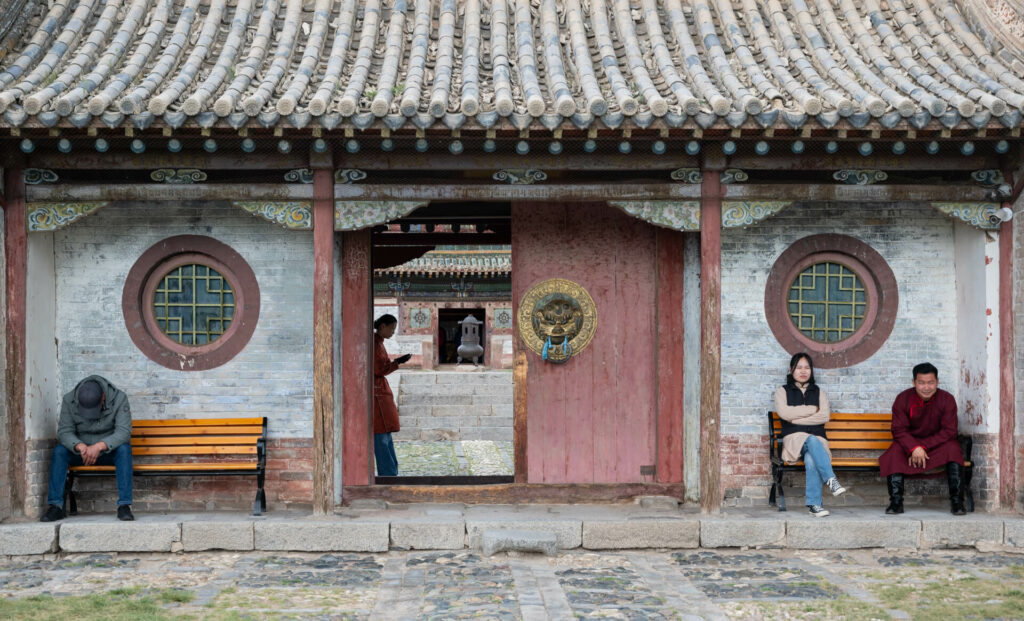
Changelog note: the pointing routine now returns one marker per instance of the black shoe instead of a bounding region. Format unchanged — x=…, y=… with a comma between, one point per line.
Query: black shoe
x=895, y=484
x=955, y=478
x=53, y=513
x=124, y=513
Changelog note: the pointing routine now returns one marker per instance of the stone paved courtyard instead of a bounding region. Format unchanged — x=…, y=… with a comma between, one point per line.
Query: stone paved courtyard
x=466, y=457
x=861, y=584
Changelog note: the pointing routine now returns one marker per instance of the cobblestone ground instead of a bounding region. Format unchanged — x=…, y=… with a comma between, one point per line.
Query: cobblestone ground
x=466, y=457
x=463, y=585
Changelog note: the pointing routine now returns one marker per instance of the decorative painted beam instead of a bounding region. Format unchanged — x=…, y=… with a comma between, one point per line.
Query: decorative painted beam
x=979, y=215
x=35, y=176
x=685, y=215
x=294, y=215
x=356, y=215
x=348, y=175
x=744, y=213
x=299, y=175
x=520, y=176
x=45, y=217
x=177, y=175
x=676, y=215
x=860, y=176
x=686, y=175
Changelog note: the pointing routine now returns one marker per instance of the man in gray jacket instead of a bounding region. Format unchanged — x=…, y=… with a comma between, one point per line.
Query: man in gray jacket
x=94, y=428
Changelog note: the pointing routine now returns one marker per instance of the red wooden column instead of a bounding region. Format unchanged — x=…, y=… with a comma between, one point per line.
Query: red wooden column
x=670, y=355
x=357, y=386
x=323, y=340
x=710, y=340
x=16, y=247
x=1007, y=410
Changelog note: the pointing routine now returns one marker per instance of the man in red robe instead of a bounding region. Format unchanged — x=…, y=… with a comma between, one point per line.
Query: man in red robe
x=924, y=430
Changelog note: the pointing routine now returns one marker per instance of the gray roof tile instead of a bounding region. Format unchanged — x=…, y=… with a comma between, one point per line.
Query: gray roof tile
x=454, y=63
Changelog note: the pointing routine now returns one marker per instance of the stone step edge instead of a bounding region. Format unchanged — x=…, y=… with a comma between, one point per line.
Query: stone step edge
x=368, y=535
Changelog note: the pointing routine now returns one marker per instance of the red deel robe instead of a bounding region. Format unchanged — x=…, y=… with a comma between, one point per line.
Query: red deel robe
x=930, y=424
x=385, y=412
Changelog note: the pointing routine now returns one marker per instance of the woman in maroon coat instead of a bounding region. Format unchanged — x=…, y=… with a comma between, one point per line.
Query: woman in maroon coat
x=385, y=412
x=924, y=430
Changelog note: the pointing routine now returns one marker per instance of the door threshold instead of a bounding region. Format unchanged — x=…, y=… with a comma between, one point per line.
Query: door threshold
x=445, y=480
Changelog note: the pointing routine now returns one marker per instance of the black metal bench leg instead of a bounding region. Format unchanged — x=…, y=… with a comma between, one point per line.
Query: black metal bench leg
x=69, y=495
x=771, y=494
x=781, y=495
x=260, y=504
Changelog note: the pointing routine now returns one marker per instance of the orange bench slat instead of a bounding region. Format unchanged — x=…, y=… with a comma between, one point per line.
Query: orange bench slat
x=196, y=431
x=195, y=440
x=196, y=422
x=193, y=450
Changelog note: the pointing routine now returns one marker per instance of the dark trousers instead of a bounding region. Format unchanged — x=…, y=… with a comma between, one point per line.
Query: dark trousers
x=384, y=453
x=120, y=458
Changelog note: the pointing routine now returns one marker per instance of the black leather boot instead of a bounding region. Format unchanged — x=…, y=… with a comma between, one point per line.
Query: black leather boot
x=955, y=476
x=895, y=482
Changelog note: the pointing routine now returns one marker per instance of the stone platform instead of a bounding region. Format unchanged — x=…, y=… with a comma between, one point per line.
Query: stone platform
x=648, y=525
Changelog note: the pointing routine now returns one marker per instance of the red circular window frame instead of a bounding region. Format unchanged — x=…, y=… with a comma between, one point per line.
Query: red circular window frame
x=150, y=269
x=879, y=283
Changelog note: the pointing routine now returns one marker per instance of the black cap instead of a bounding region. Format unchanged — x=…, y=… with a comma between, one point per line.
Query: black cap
x=90, y=399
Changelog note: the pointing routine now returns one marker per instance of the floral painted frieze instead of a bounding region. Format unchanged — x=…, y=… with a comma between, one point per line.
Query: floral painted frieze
x=43, y=217
x=978, y=215
x=295, y=215
x=356, y=215
x=744, y=213
x=678, y=215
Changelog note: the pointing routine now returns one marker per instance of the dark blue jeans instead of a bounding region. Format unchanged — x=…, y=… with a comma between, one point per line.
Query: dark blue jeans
x=120, y=458
x=384, y=452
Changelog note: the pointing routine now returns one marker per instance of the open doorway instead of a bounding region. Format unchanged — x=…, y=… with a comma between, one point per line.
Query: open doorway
x=444, y=273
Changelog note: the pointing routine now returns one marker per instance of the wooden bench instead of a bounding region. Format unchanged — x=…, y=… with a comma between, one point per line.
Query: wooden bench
x=855, y=441
x=191, y=447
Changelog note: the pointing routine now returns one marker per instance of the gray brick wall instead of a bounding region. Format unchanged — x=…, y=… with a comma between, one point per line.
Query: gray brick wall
x=917, y=243
x=271, y=377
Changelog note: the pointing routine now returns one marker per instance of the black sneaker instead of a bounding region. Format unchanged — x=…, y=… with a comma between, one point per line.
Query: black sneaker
x=124, y=513
x=817, y=510
x=53, y=513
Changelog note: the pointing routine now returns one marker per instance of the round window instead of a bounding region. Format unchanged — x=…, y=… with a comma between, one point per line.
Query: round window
x=831, y=295
x=191, y=303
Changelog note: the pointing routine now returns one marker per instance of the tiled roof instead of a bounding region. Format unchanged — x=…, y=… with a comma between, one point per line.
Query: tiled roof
x=484, y=63
x=455, y=262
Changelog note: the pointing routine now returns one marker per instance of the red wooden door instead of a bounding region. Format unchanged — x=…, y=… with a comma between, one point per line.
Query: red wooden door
x=593, y=419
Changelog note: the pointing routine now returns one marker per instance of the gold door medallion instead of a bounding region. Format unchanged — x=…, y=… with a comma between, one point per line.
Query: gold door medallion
x=557, y=319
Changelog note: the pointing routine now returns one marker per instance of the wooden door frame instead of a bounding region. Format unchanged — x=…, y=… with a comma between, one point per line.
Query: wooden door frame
x=357, y=458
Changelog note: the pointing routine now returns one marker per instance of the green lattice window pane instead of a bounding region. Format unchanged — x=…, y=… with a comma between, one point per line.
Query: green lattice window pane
x=827, y=302
x=194, y=304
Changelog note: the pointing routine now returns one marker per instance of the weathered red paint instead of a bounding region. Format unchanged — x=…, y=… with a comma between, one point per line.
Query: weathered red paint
x=710, y=341
x=1007, y=409
x=323, y=340
x=591, y=420
x=16, y=248
x=356, y=300
x=670, y=356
